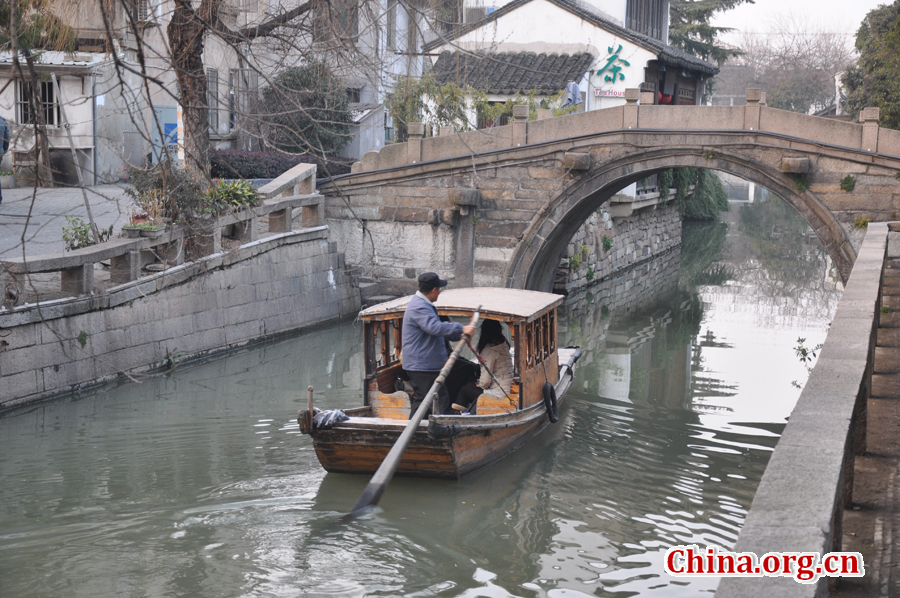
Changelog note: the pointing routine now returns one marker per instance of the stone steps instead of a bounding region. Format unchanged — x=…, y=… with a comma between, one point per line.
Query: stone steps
x=886, y=367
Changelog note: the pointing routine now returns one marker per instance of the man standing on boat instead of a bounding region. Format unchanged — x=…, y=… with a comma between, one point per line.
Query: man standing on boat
x=424, y=348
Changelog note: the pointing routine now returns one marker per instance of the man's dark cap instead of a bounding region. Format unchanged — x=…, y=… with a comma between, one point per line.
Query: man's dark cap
x=429, y=281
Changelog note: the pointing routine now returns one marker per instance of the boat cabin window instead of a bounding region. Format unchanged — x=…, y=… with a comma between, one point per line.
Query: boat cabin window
x=383, y=345
x=540, y=339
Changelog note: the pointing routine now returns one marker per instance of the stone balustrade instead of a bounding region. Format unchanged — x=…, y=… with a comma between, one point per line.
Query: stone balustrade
x=295, y=190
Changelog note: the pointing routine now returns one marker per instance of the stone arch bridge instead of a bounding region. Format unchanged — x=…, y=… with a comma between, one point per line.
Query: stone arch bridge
x=498, y=207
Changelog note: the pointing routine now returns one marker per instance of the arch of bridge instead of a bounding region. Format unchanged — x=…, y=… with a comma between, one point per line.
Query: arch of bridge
x=536, y=257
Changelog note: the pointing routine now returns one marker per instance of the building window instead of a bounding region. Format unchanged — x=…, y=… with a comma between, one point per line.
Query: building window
x=338, y=19
x=353, y=94
x=49, y=104
x=648, y=17
x=391, y=26
x=242, y=96
x=212, y=98
x=411, y=29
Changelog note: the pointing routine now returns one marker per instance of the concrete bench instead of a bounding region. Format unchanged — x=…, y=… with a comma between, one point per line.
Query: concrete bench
x=76, y=267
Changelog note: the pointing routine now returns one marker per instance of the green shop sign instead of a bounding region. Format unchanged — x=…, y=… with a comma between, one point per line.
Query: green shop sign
x=612, y=69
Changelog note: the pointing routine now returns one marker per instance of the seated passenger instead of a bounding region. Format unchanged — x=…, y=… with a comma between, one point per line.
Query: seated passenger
x=494, y=349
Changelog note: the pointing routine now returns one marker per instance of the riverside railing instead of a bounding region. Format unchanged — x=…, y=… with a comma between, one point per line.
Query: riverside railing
x=800, y=501
x=280, y=201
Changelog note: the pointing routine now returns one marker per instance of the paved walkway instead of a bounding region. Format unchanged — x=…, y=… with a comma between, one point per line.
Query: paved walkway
x=49, y=207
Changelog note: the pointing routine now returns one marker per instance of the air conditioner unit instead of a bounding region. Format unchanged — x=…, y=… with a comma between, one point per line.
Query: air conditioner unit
x=475, y=13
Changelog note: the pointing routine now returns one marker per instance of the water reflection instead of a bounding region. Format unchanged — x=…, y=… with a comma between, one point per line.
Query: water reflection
x=198, y=484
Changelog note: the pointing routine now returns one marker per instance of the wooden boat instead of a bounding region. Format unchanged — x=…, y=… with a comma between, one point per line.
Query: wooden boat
x=502, y=425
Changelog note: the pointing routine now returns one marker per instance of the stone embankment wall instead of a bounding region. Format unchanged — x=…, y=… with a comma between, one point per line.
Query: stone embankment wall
x=631, y=240
x=262, y=289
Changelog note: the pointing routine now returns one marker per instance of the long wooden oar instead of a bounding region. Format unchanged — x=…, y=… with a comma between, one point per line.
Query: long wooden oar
x=372, y=494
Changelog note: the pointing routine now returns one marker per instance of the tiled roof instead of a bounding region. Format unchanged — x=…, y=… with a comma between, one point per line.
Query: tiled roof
x=511, y=72
x=665, y=53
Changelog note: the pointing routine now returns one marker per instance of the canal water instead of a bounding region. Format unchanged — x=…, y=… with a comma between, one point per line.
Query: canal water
x=198, y=483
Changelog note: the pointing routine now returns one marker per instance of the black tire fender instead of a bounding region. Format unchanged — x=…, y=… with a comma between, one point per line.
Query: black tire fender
x=551, y=403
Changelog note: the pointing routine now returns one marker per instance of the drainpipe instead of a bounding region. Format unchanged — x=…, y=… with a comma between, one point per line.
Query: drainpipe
x=93, y=127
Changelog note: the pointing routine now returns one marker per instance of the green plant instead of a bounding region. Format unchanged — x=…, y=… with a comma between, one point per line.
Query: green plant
x=147, y=225
x=172, y=358
x=82, y=338
x=590, y=273
x=709, y=155
x=848, y=183
x=801, y=183
x=607, y=242
x=861, y=222
x=604, y=312
x=235, y=194
x=6, y=173
x=78, y=234
x=574, y=262
x=885, y=310
x=897, y=175
x=806, y=356
x=475, y=219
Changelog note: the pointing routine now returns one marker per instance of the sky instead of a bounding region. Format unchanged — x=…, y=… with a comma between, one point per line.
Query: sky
x=844, y=15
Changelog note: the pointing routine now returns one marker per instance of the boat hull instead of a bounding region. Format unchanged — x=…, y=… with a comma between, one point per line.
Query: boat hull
x=362, y=446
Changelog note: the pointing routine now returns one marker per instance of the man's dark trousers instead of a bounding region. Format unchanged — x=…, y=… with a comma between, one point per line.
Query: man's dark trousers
x=422, y=382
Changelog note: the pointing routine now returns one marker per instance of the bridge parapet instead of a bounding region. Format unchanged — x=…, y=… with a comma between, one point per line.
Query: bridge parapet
x=808, y=482
x=755, y=116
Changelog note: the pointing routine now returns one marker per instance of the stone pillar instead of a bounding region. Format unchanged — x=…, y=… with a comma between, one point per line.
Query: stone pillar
x=125, y=267
x=647, y=98
x=467, y=200
x=312, y=216
x=414, y=145
x=78, y=280
x=752, y=109
x=281, y=221
x=630, y=120
x=869, y=119
x=247, y=231
x=520, y=125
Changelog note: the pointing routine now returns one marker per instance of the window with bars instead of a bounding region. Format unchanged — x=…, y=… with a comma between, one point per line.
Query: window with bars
x=212, y=98
x=141, y=10
x=49, y=104
x=648, y=17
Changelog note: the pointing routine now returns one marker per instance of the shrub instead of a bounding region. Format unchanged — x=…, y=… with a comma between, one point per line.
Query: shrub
x=848, y=183
x=180, y=193
x=233, y=164
x=861, y=222
x=306, y=110
x=801, y=183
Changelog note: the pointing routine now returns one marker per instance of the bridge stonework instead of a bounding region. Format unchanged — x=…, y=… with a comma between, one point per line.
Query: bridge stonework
x=499, y=208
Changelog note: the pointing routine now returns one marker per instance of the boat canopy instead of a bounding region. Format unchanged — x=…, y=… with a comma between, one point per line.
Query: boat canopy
x=496, y=303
